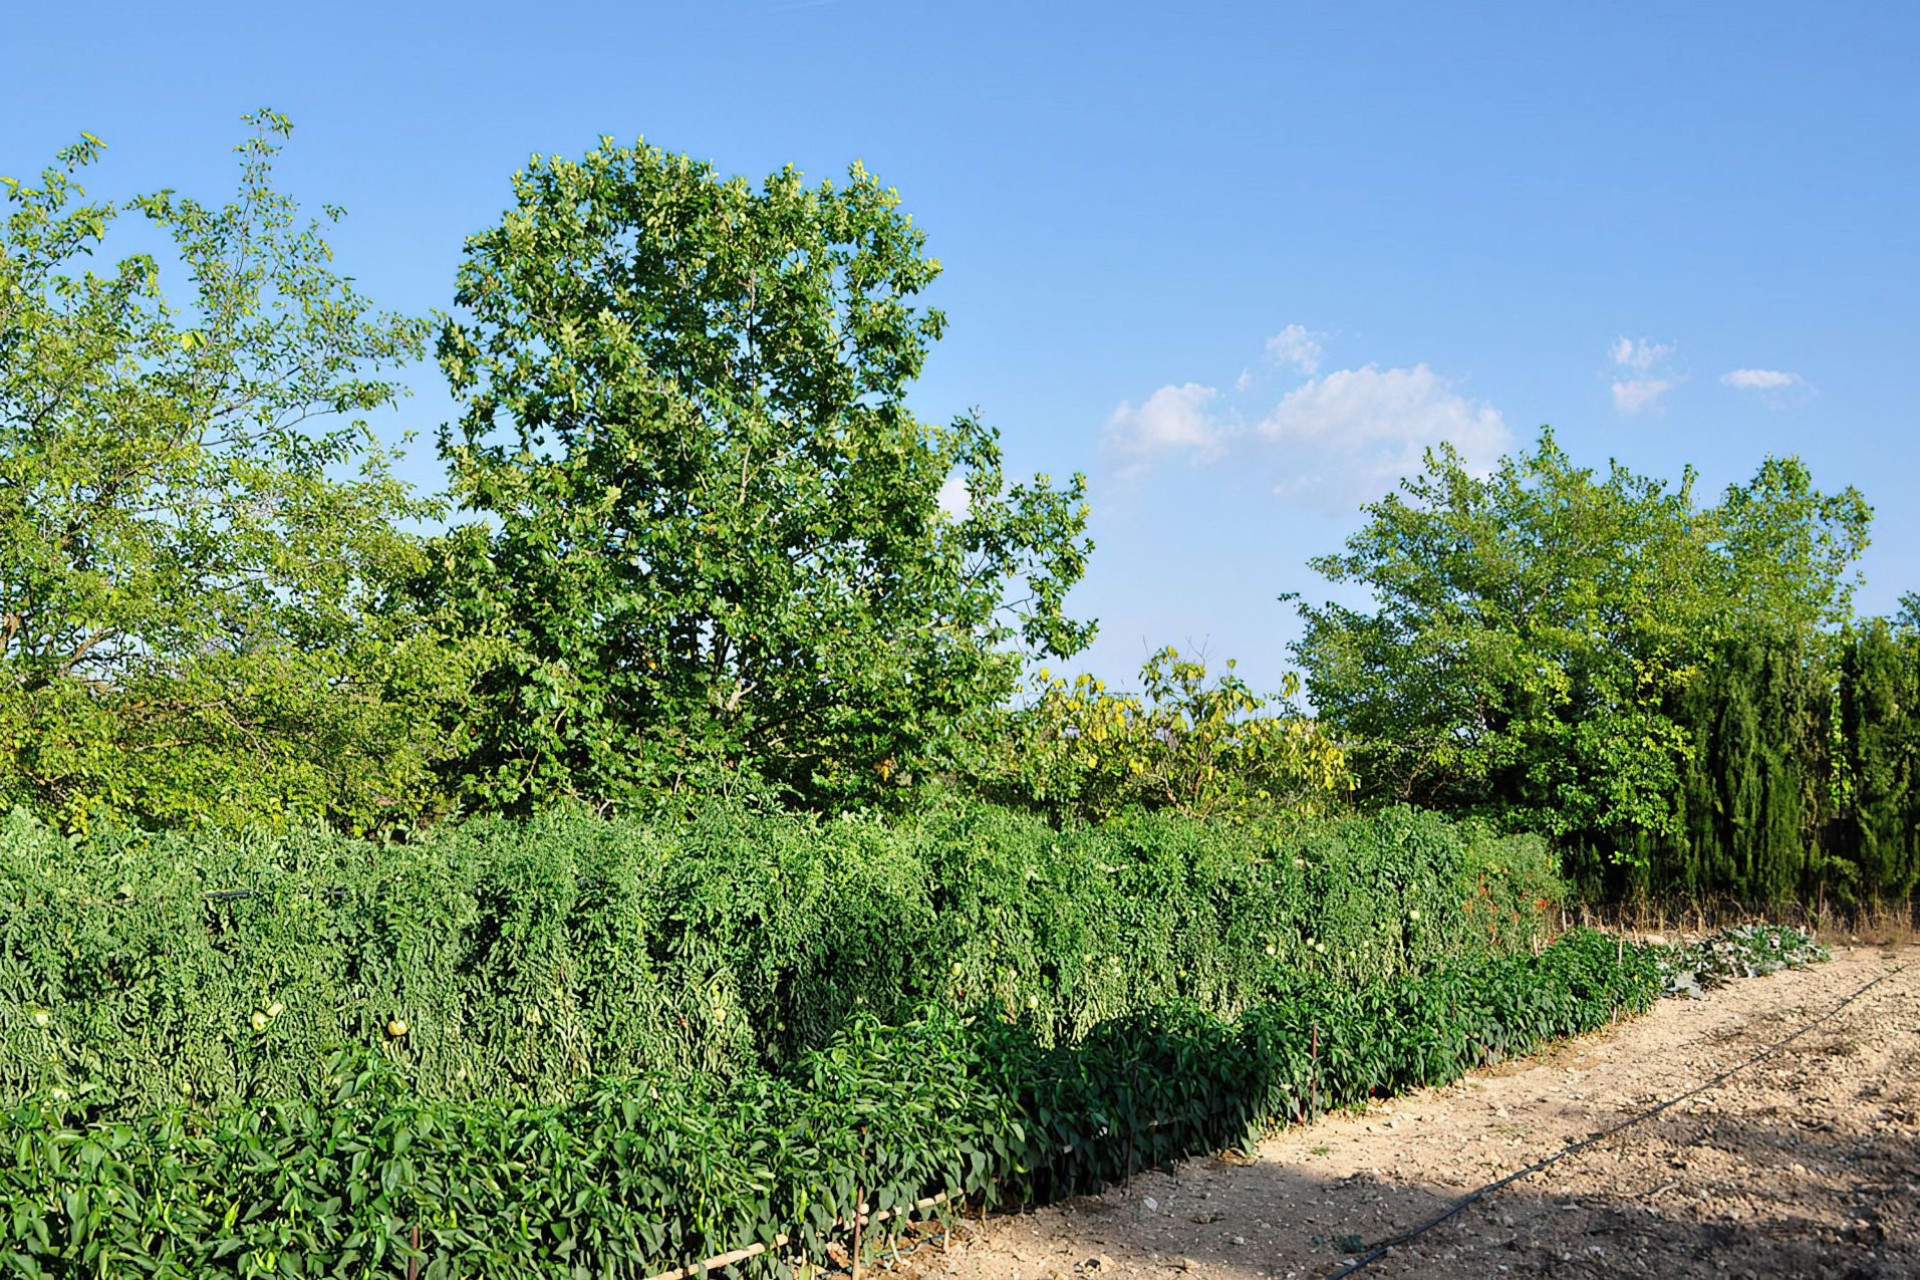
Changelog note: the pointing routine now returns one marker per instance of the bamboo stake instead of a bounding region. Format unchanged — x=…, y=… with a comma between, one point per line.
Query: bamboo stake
x=859, y=1216
x=697, y=1269
x=859, y=1206
x=719, y=1260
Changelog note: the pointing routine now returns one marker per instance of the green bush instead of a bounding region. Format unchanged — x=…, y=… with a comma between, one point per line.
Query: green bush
x=626, y=1179
x=515, y=960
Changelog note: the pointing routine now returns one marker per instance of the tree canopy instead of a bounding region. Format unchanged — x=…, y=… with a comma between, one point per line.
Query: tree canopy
x=711, y=527
x=188, y=564
x=1533, y=627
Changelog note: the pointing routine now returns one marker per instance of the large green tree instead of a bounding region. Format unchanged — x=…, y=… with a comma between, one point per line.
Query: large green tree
x=196, y=526
x=1533, y=629
x=712, y=533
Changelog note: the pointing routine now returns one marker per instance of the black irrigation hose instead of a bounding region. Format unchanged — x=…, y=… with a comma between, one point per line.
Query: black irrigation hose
x=1379, y=1251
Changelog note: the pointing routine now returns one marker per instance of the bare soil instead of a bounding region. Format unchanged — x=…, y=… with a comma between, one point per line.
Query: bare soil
x=1805, y=1164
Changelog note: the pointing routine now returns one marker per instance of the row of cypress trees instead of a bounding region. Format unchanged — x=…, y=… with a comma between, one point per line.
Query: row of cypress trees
x=1877, y=838
x=1803, y=782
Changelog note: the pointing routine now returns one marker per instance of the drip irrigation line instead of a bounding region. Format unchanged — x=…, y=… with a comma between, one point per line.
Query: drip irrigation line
x=1379, y=1251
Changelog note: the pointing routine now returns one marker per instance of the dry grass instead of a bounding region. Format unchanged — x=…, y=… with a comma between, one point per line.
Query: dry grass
x=1869, y=926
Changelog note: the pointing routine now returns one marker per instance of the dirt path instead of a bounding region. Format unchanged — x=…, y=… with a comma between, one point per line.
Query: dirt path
x=1807, y=1164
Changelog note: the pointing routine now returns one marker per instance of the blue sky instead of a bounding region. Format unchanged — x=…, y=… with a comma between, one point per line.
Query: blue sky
x=1237, y=262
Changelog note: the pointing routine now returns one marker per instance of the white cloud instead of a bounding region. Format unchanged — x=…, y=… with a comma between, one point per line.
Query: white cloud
x=1776, y=388
x=1639, y=354
x=1646, y=377
x=954, y=498
x=1299, y=346
x=1351, y=434
x=1173, y=420
x=1635, y=394
x=1761, y=380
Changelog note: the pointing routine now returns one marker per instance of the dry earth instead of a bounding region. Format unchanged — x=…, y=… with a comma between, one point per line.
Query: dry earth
x=1805, y=1164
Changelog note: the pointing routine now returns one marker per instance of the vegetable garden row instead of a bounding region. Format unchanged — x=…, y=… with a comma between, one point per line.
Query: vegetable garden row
x=581, y=1048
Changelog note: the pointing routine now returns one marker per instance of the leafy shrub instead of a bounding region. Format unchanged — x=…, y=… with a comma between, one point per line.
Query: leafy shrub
x=1738, y=951
x=516, y=960
x=627, y=1178
x=1202, y=749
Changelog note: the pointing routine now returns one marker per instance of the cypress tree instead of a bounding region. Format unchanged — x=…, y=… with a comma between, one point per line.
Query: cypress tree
x=1876, y=834
x=1755, y=719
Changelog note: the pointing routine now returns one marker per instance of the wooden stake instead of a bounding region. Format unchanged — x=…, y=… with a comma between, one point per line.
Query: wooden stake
x=859, y=1204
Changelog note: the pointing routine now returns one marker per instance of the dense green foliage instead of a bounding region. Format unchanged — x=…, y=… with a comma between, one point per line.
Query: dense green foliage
x=709, y=550
x=1531, y=625
x=712, y=547
x=1798, y=782
x=1750, y=789
x=625, y=1179
x=1204, y=748
x=1873, y=841
x=1669, y=689
x=713, y=531
x=520, y=959
x=189, y=570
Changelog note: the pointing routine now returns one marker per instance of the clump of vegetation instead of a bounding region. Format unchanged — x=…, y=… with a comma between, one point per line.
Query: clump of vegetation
x=1184, y=743
x=1739, y=951
x=635, y=1176
x=1673, y=690
x=200, y=537
x=515, y=959
x=701, y=543
x=706, y=532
